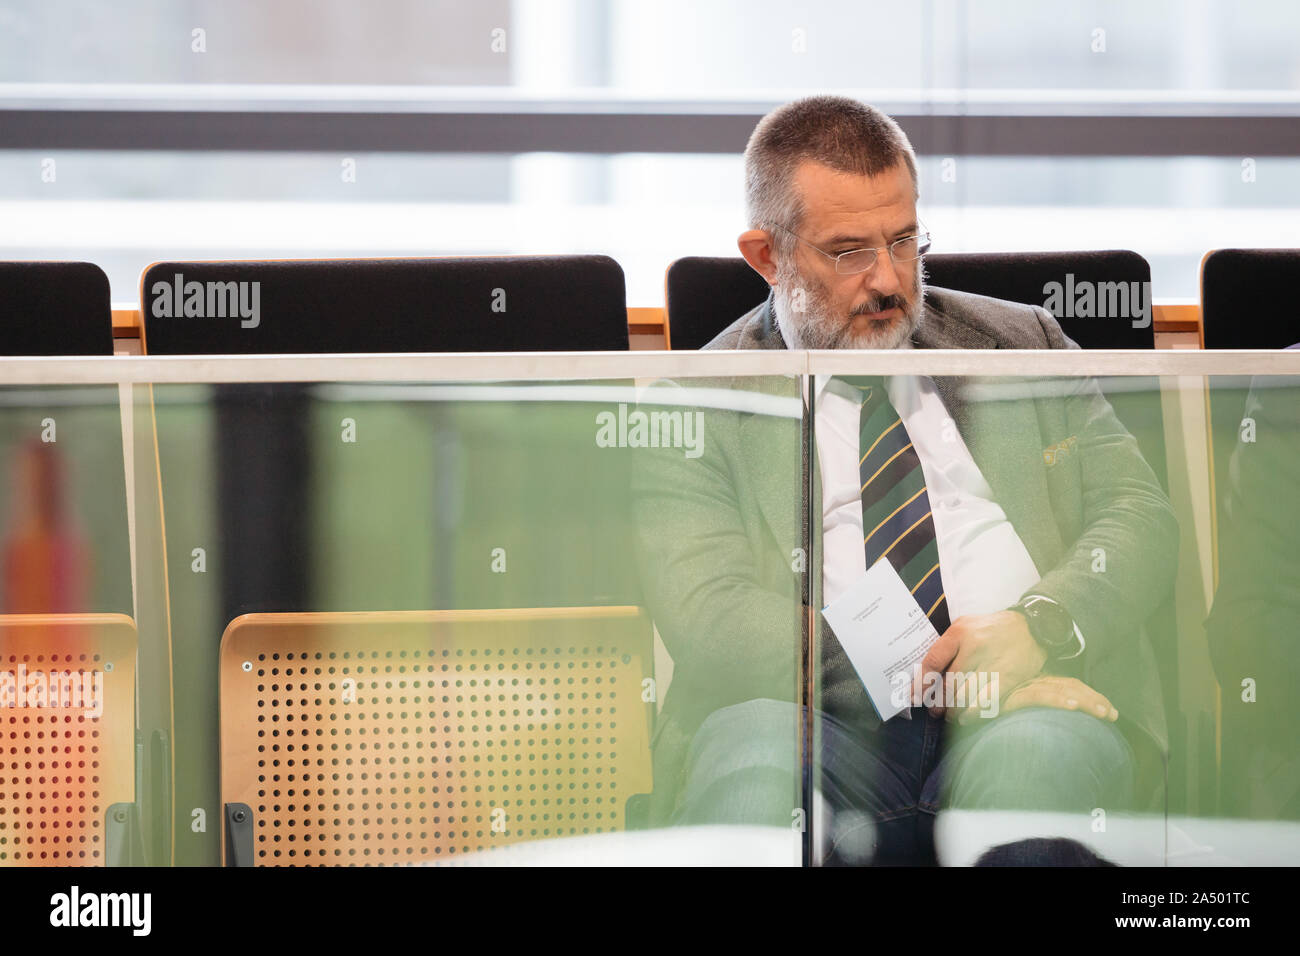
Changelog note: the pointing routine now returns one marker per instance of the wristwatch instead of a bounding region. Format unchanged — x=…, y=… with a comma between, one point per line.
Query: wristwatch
x=1051, y=626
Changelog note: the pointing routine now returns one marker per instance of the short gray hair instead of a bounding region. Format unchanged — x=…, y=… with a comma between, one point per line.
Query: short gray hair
x=842, y=133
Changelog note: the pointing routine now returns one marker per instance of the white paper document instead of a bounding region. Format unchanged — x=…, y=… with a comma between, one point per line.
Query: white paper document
x=885, y=634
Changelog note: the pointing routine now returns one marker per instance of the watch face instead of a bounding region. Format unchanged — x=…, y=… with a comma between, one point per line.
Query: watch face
x=1051, y=626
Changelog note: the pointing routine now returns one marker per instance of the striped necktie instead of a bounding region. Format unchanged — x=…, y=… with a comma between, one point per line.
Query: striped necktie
x=897, y=523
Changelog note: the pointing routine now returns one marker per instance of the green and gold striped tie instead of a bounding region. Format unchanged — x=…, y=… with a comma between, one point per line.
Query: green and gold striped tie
x=897, y=522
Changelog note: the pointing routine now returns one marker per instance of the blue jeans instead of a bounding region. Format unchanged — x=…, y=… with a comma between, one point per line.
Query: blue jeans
x=882, y=789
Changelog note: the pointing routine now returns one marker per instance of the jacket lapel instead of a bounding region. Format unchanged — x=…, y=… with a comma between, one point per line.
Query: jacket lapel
x=1003, y=437
x=770, y=445
x=938, y=331
x=761, y=331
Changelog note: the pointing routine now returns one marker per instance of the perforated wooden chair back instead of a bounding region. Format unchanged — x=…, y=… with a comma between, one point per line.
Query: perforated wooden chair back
x=67, y=732
x=410, y=737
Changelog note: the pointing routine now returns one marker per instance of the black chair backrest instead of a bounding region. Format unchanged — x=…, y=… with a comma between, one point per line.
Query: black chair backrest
x=1243, y=298
x=706, y=294
x=481, y=304
x=55, y=308
x=1101, y=299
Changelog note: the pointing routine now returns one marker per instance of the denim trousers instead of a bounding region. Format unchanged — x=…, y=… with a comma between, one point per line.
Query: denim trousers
x=882, y=788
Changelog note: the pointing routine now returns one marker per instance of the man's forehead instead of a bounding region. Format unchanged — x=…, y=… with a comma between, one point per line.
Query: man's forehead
x=837, y=200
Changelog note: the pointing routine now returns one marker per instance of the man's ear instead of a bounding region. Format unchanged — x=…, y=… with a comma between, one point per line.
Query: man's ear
x=756, y=246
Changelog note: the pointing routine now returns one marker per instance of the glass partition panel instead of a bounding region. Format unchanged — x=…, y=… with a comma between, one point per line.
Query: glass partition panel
x=487, y=620
x=1053, y=616
x=650, y=608
x=1250, y=630
x=67, y=635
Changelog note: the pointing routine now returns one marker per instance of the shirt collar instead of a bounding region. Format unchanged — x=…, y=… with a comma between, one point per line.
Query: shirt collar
x=823, y=380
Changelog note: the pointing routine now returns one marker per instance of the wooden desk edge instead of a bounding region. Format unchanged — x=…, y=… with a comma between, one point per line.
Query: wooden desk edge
x=1175, y=317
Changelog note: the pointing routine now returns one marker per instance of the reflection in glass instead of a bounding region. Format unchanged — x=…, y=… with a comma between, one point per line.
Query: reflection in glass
x=1251, y=625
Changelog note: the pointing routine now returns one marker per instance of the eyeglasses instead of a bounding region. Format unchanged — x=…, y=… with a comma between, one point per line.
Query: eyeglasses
x=907, y=249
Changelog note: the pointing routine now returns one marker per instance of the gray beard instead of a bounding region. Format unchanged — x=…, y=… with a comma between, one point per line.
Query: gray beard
x=815, y=328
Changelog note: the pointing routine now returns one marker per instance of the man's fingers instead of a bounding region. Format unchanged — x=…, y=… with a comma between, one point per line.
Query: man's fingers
x=966, y=701
x=941, y=652
x=949, y=696
x=935, y=662
x=1064, y=693
x=927, y=689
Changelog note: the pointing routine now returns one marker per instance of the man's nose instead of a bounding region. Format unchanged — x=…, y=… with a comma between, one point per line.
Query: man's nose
x=882, y=278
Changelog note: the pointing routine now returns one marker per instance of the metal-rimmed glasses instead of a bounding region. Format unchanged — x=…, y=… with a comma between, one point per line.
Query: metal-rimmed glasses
x=907, y=249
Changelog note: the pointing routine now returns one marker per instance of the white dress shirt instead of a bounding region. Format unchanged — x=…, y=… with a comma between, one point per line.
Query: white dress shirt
x=984, y=563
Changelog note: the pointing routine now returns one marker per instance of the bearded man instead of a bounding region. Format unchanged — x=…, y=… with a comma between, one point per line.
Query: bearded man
x=992, y=514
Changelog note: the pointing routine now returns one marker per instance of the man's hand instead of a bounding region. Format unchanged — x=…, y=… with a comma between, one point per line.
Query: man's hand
x=998, y=643
x=1065, y=693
